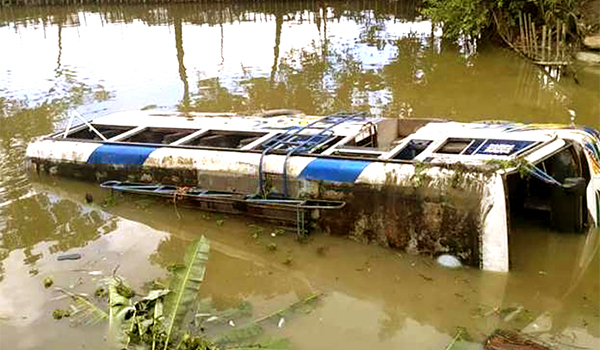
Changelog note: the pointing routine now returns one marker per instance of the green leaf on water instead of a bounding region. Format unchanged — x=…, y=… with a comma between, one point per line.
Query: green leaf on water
x=185, y=285
x=273, y=344
x=238, y=335
x=120, y=311
x=84, y=311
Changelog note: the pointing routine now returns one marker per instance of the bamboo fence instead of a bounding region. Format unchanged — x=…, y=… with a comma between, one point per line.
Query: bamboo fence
x=545, y=46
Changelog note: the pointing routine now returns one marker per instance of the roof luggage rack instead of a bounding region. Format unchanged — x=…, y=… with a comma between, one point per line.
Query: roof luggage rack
x=290, y=141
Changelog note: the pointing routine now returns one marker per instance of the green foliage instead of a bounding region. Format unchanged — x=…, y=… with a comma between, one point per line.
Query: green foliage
x=156, y=321
x=120, y=311
x=58, y=314
x=274, y=344
x=239, y=335
x=459, y=17
x=564, y=10
x=520, y=164
x=84, y=311
x=420, y=176
x=243, y=310
x=185, y=286
x=472, y=17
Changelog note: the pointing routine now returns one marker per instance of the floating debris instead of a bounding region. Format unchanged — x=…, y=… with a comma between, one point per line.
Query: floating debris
x=513, y=314
x=503, y=339
x=288, y=261
x=48, y=282
x=74, y=256
x=322, y=250
x=272, y=247
x=448, y=260
x=541, y=324
x=101, y=293
x=59, y=314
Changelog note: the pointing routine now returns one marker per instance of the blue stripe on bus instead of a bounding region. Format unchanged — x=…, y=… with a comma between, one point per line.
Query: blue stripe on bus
x=338, y=170
x=119, y=154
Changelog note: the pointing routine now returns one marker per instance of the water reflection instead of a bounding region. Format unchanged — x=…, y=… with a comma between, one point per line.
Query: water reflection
x=320, y=58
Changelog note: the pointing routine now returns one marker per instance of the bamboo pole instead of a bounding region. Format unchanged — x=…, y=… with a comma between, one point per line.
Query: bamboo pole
x=557, y=37
x=529, y=30
x=534, y=36
x=564, y=40
x=521, y=32
x=549, y=49
x=543, y=42
x=526, y=33
x=526, y=37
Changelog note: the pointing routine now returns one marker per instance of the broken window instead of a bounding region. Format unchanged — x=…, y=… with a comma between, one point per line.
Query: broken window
x=159, y=135
x=412, y=149
x=108, y=131
x=225, y=139
x=454, y=146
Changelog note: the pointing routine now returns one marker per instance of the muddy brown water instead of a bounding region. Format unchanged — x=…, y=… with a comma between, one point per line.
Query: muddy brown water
x=381, y=57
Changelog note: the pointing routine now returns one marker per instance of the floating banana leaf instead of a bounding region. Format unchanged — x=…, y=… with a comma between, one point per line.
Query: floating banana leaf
x=239, y=335
x=84, y=311
x=158, y=316
x=274, y=344
x=185, y=286
x=243, y=310
x=304, y=303
x=235, y=338
x=120, y=311
x=155, y=294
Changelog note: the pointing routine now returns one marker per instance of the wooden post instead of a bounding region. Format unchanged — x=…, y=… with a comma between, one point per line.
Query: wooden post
x=526, y=42
x=564, y=40
x=549, y=50
x=557, y=37
x=529, y=31
x=521, y=32
x=535, y=46
x=543, y=43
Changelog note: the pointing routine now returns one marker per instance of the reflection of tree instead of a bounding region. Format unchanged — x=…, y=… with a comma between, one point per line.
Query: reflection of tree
x=373, y=33
x=169, y=252
x=182, y=72
x=42, y=218
x=304, y=79
x=28, y=221
x=214, y=97
x=278, y=25
x=393, y=322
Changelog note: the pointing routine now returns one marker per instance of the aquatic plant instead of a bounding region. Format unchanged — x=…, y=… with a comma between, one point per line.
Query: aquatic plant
x=148, y=321
x=185, y=286
x=158, y=320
